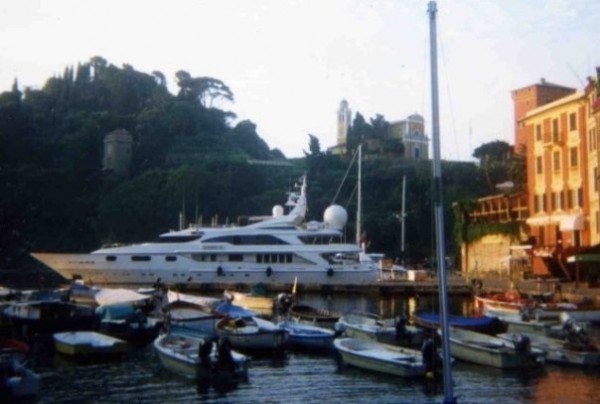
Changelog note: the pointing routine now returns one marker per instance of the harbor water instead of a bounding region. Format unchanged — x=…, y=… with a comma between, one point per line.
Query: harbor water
x=310, y=377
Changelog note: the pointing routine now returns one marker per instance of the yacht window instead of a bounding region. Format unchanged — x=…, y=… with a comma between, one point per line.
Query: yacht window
x=259, y=258
x=236, y=257
x=288, y=258
x=170, y=258
x=213, y=257
x=111, y=258
x=140, y=258
x=178, y=239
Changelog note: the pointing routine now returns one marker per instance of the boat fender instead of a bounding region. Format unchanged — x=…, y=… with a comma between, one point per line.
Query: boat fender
x=330, y=272
x=269, y=271
x=220, y=271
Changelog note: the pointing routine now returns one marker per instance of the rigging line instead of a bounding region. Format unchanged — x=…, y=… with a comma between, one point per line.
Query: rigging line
x=345, y=176
x=449, y=96
x=351, y=197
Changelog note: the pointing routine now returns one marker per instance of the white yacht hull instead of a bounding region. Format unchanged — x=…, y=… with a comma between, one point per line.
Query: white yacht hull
x=96, y=269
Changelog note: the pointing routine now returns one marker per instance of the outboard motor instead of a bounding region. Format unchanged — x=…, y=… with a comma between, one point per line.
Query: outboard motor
x=522, y=345
x=401, y=331
x=283, y=302
x=429, y=350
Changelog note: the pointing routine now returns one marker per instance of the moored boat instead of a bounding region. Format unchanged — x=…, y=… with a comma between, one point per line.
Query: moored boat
x=486, y=350
x=372, y=327
x=383, y=358
x=197, y=358
x=89, y=344
x=314, y=315
x=17, y=381
x=307, y=336
x=261, y=304
x=483, y=324
x=250, y=333
x=561, y=351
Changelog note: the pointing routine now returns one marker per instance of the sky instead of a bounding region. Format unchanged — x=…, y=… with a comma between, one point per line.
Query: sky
x=290, y=63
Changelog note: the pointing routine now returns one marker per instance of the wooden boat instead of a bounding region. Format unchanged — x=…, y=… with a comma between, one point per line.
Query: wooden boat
x=85, y=344
x=483, y=324
x=183, y=317
x=260, y=304
x=483, y=349
x=377, y=357
x=511, y=304
x=561, y=351
x=194, y=357
x=17, y=381
x=307, y=336
x=251, y=333
x=372, y=327
x=304, y=313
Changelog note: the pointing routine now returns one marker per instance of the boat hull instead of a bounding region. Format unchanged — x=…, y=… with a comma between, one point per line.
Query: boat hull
x=381, y=358
x=180, y=355
x=94, y=268
x=485, y=350
x=88, y=343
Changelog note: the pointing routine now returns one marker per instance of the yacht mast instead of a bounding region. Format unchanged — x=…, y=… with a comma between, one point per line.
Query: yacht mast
x=359, y=203
x=438, y=208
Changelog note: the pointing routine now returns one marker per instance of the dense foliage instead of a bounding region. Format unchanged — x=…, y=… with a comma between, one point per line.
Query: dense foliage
x=187, y=159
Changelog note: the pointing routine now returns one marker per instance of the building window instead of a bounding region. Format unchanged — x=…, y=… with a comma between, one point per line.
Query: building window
x=555, y=137
x=573, y=157
x=570, y=199
x=553, y=200
x=573, y=121
x=597, y=222
x=538, y=165
x=556, y=160
x=538, y=132
x=596, y=179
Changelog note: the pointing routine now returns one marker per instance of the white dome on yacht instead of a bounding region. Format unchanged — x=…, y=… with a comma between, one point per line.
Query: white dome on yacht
x=335, y=217
x=277, y=211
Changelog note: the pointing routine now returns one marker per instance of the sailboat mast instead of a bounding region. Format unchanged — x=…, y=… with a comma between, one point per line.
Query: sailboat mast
x=359, y=197
x=438, y=207
x=403, y=214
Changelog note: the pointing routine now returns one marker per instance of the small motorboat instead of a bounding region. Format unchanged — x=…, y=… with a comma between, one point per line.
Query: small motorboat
x=570, y=351
x=302, y=335
x=89, y=344
x=17, y=381
x=251, y=333
x=250, y=301
x=483, y=349
x=483, y=324
x=128, y=322
x=304, y=313
x=200, y=358
x=383, y=358
x=185, y=317
x=373, y=327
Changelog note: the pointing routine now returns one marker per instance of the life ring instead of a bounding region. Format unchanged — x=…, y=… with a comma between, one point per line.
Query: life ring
x=330, y=272
x=220, y=271
x=269, y=271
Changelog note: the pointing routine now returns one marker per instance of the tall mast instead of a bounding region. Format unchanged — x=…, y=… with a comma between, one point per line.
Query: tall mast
x=438, y=208
x=359, y=203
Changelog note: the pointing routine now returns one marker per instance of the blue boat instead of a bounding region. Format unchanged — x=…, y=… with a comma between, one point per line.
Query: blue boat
x=483, y=324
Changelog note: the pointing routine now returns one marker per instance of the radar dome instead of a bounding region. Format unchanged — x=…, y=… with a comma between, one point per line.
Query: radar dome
x=277, y=211
x=335, y=217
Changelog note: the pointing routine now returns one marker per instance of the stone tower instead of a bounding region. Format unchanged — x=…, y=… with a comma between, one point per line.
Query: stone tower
x=117, y=152
x=527, y=98
x=344, y=121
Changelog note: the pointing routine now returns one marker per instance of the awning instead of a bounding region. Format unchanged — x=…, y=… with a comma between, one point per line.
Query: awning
x=591, y=254
x=565, y=222
x=540, y=220
x=571, y=222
